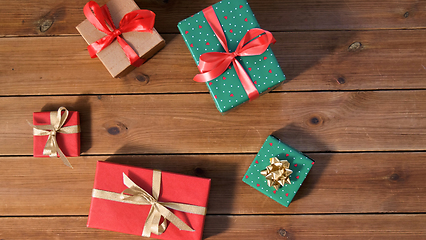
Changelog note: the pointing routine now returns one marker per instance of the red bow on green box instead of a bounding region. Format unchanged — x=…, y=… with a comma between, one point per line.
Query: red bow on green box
x=213, y=64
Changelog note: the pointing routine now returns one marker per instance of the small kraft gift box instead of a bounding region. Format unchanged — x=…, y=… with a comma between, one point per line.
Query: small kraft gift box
x=148, y=203
x=232, y=53
x=56, y=134
x=120, y=34
x=278, y=171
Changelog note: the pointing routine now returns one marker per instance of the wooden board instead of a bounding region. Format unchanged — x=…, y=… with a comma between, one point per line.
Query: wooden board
x=355, y=101
x=338, y=183
x=30, y=17
x=184, y=123
x=237, y=227
x=330, y=60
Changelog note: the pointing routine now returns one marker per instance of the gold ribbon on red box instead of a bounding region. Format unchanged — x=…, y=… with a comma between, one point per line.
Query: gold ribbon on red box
x=57, y=120
x=136, y=195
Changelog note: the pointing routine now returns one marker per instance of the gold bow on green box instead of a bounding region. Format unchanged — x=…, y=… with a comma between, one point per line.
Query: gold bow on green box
x=277, y=173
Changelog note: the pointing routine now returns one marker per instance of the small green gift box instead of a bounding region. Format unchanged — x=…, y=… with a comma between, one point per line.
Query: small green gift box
x=235, y=19
x=278, y=171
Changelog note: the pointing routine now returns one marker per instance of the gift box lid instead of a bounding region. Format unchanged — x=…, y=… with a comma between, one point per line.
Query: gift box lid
x=236, y=18
x=299, y=164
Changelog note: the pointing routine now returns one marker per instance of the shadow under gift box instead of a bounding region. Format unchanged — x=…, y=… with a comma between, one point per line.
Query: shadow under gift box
x=145, y=44
x=130, y=218
x=236, y=18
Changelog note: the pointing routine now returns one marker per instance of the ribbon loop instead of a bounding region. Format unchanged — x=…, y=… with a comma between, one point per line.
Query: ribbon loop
x=213, y=64
x=57, y=120
x=100, y=18
x=136, y=194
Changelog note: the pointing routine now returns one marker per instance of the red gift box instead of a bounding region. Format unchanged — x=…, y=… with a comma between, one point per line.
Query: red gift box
x=68, y=143
x=131, y=218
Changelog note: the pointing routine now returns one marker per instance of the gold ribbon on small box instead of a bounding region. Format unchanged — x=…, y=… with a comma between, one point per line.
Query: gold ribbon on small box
x=57, y=120
x=278, y=173
x=138, y=196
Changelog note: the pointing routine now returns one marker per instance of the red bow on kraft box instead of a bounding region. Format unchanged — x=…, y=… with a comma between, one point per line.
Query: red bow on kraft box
x=123, y=21
x=213, y=64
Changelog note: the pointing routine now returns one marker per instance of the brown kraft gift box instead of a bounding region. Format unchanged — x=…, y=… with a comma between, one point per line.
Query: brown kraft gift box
x=113, y=57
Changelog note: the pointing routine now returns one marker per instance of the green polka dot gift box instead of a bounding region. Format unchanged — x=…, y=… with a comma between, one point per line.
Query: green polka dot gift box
x=250, y=69
x=280, y=187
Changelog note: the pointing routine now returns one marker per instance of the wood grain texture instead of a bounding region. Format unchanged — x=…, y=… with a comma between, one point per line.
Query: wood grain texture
x=190, y=123
x=355, y=101
x=393, y=226
x=338, y=183
x=52, y=17
x=330, y=60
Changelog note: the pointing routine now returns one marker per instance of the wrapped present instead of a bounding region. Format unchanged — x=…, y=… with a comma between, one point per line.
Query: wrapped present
x=278, y=171
x=56, y=134
x=132, y=28
x=133, y=200
x=232, y=53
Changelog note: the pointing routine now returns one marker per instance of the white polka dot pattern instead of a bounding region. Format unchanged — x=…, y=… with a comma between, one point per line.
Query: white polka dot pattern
x=299, y=164
x=236, y=19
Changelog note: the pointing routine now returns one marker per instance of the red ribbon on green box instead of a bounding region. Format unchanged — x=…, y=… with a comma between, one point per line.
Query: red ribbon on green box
x=213, y=64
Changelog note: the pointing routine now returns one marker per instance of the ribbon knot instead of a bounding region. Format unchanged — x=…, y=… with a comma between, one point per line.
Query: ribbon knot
x=116, y=33
x=57, y=120
x=152, y=201
x=100, y=18
x=213, y=64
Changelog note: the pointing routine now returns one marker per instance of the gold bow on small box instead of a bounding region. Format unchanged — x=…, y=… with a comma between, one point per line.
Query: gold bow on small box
x=57, y=120
x=278, y=173
x=138, y=196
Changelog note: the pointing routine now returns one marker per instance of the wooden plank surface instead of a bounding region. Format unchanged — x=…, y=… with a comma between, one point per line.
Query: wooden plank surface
x=238, y=227
x=338, y=183
x=54, y=17
x=355, y=101
x=330, y=60
x=184, y=123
